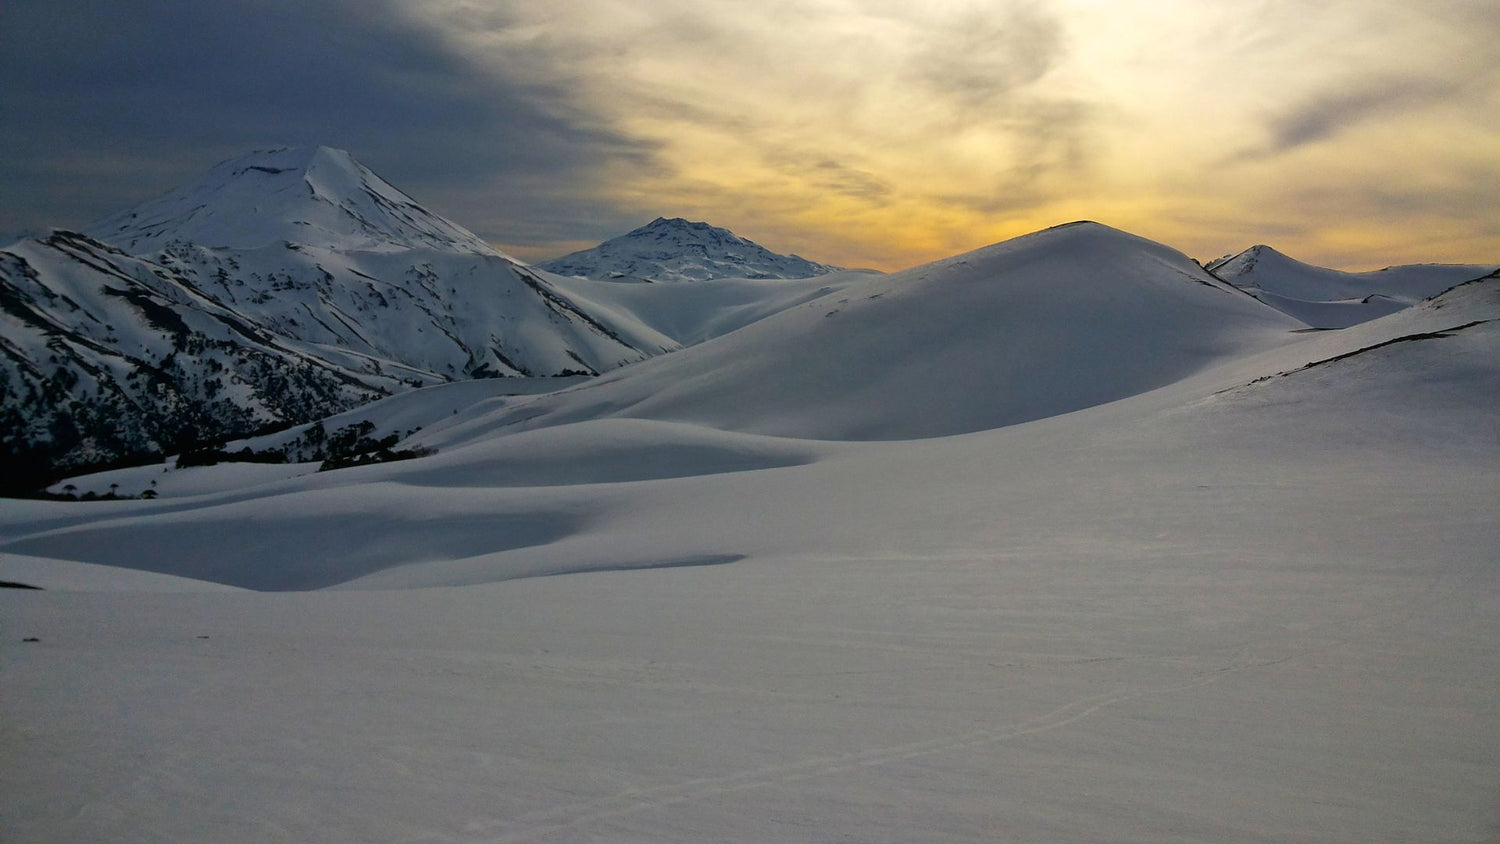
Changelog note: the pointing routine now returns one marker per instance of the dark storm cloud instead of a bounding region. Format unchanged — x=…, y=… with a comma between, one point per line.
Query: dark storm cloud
x=107, y=104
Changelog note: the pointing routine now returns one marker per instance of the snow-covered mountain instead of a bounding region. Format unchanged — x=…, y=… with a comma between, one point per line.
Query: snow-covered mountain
x=1239, y=587
x=311, y=196
x=1325, y=298
x=679, y=250
x=104, y=356
x=1052, y=322
x=280, y=287
x=318, y=248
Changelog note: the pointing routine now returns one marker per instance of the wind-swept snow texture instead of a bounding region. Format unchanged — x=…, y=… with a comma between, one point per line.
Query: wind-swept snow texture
x=1325, y=298
x=680, y=250
x=1253, y=598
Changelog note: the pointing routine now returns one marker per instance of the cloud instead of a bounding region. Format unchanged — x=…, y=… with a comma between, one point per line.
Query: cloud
x=825, y=173
x=183, y=83
x=851, y=181
x=1332, y=112
x=828, y=110
x=1050, y=151
x=980, y=57
x=863, y=131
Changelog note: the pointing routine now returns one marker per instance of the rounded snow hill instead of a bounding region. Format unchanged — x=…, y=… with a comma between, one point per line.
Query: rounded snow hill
x=310, y=195
x=1049, y=323
x=1328, y=298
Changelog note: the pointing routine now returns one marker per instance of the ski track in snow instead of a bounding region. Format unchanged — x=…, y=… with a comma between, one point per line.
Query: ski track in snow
x=635, y=801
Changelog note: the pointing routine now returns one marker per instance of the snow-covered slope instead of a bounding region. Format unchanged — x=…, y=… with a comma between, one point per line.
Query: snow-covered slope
x=679, y=250
x=1325, y=298
x=318, y=248
x=443, y=315
x=301, y=449
x=312, y=196
x=692, y=313
x=1255, y=604
x=103, y=355
x=1052, y=322
x=298, y=253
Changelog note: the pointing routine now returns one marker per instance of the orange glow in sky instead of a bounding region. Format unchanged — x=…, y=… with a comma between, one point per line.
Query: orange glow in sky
x=886, y=134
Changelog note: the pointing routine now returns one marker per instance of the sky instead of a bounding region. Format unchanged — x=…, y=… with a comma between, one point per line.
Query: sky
x=872, y=133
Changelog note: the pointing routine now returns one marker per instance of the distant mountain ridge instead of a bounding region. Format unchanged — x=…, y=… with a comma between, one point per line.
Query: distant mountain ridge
x=1047, y=323
x=280, y=287
x=676, y=250
x=292, y=284
x=1327, y=298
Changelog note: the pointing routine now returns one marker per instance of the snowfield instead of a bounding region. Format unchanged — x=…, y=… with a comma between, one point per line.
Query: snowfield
x=1063, y=540
x=1326, y=298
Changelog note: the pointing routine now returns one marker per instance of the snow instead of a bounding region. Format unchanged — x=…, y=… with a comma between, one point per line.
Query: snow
x=679, y=250
x=1238, y=586
x=441, y=313
x=317, y=196
x=69, y=576
x=1041, y=325
x=167, y=480
x=414, y=410
x=280, y=287
x=703, y=310
x=1339, y=313
x=1326, y=298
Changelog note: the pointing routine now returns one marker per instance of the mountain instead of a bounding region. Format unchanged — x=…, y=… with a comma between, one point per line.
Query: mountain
x=105, y=356
x=1325, y=298
x=1255, y=603
x=679, y=250
x=1052, y=322
x=311, y=196
x=316, y=247
x=280, y=287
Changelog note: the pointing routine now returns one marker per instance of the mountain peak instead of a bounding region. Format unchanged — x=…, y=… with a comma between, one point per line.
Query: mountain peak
x=1237, y=268
x=1081, y=237
x=318, y=196
x=1330, y=298
x=677, y=249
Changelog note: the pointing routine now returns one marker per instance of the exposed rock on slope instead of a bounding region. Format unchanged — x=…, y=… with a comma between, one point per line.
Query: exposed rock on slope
x=280, y=287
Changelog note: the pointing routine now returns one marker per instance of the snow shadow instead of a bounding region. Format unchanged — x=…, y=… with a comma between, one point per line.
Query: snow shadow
x=683, y=563
x=294, y=554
